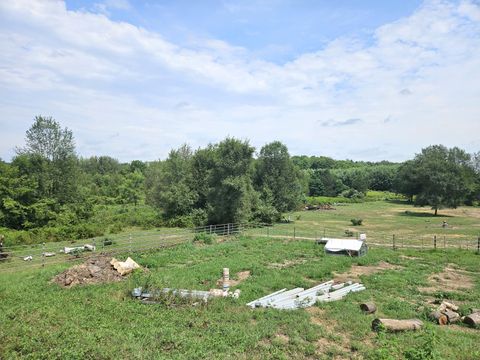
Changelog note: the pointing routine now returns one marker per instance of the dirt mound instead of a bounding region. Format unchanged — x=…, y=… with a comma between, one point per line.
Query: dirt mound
x=93, y=271
x=450, y=279
x=357, y=270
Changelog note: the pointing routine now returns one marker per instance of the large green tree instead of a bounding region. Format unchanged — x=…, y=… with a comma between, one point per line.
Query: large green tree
x=55, y=145
x=277, y=176
x=170, y=183
x=438, y=176
x=231, y=198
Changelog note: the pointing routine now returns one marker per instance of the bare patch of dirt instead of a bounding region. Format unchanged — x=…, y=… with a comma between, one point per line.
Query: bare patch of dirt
x=357, y=270
x=332, y=341
x=450, y=279
x=286, y=264
x=282, y=338
x=241, y=276
x=409, y=257
x=93, y=271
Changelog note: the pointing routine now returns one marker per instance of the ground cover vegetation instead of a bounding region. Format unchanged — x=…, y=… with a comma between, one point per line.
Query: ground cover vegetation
x=49, y=193
x=41, y=319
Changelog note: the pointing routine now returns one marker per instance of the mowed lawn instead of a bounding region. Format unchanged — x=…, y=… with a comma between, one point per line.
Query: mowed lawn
x=41, y=320
x=382, y=219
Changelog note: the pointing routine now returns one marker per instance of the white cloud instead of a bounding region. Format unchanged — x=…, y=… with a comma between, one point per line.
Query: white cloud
x=102, y=77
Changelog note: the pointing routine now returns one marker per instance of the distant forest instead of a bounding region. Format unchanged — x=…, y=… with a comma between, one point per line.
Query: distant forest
x=49, y=193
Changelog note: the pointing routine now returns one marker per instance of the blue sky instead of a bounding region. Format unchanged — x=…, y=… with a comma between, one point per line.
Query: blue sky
x=276, y=30
x=366, y=80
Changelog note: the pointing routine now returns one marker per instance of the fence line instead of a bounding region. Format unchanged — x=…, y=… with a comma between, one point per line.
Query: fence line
x=12, y=257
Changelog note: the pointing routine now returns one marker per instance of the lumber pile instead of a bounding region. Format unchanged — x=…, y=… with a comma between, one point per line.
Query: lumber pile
x=298, y=298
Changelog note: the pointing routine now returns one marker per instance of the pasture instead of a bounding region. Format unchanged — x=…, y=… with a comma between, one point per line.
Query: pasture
x=40, y=319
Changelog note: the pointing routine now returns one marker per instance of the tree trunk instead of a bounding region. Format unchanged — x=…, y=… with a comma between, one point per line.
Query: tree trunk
x=472, y=319
x=394, y=325
x=368, y=308
x=436, y=210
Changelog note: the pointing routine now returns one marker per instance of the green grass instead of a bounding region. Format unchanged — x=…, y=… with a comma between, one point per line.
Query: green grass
x=381, y=220
x=41, y=320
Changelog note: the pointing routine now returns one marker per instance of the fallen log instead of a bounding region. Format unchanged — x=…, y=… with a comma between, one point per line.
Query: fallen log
x=368, y=308
x=440, y=319
x=394, y=325
x=452, y=316
x=472, y=319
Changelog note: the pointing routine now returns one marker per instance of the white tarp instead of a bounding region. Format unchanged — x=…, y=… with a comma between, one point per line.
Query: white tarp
x=335, y=245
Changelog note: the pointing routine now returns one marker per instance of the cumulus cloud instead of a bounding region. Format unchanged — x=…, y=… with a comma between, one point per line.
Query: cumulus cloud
x=99, y=77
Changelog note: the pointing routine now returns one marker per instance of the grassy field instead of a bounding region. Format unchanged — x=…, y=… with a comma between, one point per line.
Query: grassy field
x=41, y=320
x=381, y=220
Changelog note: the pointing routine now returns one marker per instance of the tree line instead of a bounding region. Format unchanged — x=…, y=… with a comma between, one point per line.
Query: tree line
x=48, y=190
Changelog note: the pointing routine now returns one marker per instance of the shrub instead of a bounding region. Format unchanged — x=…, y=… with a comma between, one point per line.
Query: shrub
x=348, y=233
x=205, y=238
x=266, y=214
x=353, y=194
x=356, y=222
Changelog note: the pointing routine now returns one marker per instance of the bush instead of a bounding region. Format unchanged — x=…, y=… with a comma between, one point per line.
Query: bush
x=348, y=233
x=266, y=214
x=356, y=222
x=353, y=194
x=205, y=238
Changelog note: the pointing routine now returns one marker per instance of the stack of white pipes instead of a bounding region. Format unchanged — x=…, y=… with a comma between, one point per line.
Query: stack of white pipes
x=301, y=298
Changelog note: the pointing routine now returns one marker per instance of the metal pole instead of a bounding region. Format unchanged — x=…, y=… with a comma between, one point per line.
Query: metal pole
x=435, y=242
x=324, y=230
x=393, y=241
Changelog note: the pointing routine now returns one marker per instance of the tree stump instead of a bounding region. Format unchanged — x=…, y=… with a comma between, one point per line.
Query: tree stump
x=394, y=325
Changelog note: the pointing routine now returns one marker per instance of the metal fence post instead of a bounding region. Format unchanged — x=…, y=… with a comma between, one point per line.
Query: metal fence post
x=435, y=242
x=393, y=242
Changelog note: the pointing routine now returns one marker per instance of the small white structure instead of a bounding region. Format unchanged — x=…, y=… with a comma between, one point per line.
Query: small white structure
x=349, y=247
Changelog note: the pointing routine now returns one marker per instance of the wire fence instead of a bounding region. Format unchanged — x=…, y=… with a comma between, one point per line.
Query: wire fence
x=16, y=258
x=376, y=239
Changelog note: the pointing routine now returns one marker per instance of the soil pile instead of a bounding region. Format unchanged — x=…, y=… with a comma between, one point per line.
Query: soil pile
x=93, y=271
